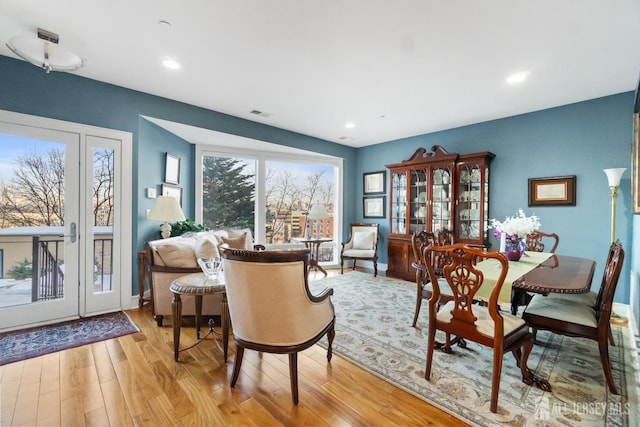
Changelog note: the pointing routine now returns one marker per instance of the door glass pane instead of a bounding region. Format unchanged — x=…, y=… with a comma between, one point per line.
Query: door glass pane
x=103, y=215
x=32, y=220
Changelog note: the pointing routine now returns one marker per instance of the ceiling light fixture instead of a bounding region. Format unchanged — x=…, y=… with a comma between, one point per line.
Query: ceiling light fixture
x=44, y=52
x=517, y=77
x=349, y=125
x=171, y=64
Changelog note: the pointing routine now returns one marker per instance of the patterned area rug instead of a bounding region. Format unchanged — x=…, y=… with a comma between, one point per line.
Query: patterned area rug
x=28, y=343
x=373, y=330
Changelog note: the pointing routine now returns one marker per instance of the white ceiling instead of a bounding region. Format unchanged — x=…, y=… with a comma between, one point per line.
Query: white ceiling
x=395, y=68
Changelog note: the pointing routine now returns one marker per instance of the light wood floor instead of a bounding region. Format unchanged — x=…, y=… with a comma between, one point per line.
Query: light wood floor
x=133, y=380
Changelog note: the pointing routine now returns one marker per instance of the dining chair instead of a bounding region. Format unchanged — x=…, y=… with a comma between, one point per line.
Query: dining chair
x=271, y=307
x=536, y=241
x=485, y=325
x=361, y=244
x=419, y=241
x=585, y=316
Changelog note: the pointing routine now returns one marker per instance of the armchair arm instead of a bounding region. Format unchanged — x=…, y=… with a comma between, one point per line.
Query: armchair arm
x=325, y=294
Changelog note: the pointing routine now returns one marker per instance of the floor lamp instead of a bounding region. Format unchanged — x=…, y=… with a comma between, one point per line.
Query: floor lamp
x=614, y=175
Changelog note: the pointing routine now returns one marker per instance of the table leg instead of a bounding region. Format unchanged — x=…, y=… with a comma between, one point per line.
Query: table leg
x=198, y=314
x=315, y=252
x=225, y=326
x=176, y=320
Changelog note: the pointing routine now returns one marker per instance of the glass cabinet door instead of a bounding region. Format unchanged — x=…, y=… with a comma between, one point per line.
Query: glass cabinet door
x=441, y=200
x=471, y=196
x=398, y=202
x=419, y=200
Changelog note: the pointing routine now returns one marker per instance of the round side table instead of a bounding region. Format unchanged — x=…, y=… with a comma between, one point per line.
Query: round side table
x=198, y=285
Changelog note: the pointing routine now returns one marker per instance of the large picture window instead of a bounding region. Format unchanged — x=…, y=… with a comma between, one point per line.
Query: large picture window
x=272, y=195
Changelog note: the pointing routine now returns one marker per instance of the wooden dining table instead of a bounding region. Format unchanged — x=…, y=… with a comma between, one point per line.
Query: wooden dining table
x=541, y=273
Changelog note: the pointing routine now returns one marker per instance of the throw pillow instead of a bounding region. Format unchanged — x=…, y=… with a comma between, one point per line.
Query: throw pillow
x=207, y=247
x=235, y=242
x=363, y=240
x=177, y=254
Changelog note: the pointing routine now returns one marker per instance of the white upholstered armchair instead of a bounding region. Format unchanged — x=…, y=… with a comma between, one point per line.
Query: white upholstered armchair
x=271, y=307
x=362, y=244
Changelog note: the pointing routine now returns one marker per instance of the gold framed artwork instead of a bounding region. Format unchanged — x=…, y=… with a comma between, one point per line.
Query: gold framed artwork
x=554, y=191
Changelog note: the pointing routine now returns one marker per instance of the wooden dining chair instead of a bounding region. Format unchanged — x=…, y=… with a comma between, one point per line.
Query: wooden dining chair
x=582, y=315
x=271, y=307
x=536, y=241
x=419, y=241
x=485, y=325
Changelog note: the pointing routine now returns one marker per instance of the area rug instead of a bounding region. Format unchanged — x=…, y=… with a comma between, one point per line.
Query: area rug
x=373, y=330
x=28, y=343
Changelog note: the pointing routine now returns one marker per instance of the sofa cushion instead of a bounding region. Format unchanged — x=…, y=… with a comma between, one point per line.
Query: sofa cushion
x=236, y=242
x=178, y=253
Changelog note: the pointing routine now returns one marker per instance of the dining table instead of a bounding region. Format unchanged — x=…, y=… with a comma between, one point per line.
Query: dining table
x=538, y=272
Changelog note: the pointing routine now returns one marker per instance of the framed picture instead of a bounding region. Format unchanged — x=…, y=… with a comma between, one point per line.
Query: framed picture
x=555, y=191
x=374, y=182
x=170, y=190
x=635, y=158
x=172, y=170
x=373, y=207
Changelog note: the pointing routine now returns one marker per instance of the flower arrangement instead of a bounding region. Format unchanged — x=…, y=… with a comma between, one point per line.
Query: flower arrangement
x=515, y=227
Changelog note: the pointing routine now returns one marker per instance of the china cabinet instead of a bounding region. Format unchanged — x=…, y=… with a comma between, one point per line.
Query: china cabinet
x=435, y=190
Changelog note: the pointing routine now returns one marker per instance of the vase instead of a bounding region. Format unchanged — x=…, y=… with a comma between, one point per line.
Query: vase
x=514, y=249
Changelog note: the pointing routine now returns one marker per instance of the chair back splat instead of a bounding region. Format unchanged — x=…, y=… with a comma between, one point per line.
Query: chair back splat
x=271, y=307
x=485, y=325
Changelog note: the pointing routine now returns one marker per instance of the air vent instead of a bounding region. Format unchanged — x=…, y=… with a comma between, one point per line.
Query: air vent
x=260, y=113
x=346, y=138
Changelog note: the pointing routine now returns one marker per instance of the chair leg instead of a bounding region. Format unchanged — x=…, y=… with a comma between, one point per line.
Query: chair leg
x=375, y=267
x=330, y=335
x=341, y=265
x=495, y=381
x=237, y=364
x=431, y=343
x=611, y=341
x=293, y=375
x=418, y=305
x=603, y=346
x=354, y=264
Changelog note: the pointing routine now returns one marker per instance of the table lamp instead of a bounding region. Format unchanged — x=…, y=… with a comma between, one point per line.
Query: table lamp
x=614, y=175
x=166, y=208
x=318, y=211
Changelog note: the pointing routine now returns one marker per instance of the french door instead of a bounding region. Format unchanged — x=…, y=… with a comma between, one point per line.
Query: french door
x=62, y=221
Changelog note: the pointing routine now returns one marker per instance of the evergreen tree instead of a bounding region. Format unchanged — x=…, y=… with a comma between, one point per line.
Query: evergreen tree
x=228, y=194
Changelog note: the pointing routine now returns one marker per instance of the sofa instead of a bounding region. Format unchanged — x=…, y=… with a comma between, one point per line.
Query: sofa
x=167, y=259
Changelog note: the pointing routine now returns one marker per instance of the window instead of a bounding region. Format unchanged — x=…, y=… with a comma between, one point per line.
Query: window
x=271, y=194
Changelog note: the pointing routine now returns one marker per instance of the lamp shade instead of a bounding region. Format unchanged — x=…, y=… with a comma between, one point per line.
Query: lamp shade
x=166, y=208
x=614, y=175
x=318, y=211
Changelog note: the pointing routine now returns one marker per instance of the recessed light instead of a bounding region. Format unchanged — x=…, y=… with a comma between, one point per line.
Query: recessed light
x=517, y=77
x=171, y=64
x=350, y=125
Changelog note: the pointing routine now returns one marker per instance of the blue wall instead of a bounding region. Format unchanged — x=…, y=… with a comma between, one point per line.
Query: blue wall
x=579, y=139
